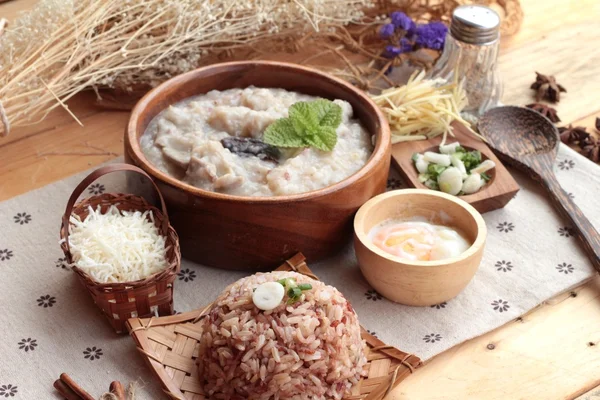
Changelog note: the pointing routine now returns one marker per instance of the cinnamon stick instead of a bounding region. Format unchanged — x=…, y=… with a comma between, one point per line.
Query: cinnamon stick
x=118, y=390
x=65, y=391
x=83, y=395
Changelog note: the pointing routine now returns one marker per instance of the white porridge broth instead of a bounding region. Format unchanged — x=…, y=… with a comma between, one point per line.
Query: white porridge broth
x=191, y=141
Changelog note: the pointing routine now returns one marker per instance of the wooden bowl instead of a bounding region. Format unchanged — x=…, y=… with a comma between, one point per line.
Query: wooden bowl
x=237, y=232
x=418, y=283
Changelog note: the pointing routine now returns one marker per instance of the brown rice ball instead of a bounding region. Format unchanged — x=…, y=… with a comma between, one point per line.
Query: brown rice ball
x=311, y=349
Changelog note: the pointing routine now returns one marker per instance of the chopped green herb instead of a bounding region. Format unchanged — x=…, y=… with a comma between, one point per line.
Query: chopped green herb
x=310, y=124
x=415, y=157
x=471, y=160
x=434, y=170
x=287, y=282
x=485, y=177
x=294, y=291
x=423, y=178
x=431, y=184
x=460, y=149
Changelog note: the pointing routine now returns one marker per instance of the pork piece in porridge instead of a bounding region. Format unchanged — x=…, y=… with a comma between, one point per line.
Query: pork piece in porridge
x=214, y=142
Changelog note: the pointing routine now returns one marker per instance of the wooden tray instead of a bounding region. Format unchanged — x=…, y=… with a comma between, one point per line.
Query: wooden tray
x=170, y=346
x=496, y=193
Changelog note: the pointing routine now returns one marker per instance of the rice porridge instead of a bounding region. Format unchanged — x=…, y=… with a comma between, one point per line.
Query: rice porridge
x=213, y=141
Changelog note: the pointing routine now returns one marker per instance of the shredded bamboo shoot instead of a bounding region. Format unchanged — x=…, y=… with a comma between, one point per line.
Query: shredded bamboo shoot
x=423, y=108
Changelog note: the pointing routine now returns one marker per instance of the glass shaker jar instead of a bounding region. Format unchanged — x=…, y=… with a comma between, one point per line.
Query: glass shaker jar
x=471, y=54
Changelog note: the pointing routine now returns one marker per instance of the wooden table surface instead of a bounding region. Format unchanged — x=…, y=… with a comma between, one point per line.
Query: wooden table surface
x=551, y=353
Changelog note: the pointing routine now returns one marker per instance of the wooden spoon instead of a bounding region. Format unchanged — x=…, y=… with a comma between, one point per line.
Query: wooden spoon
x=529, y=141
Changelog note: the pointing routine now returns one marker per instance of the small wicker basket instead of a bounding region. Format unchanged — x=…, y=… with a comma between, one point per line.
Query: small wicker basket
x=143, y=298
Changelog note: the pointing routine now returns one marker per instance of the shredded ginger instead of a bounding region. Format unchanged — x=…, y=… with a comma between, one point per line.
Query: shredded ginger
x=117, y=246
x=423, y=108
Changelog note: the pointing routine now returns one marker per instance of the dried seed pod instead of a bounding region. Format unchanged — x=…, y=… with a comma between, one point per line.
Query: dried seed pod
x=251, y=147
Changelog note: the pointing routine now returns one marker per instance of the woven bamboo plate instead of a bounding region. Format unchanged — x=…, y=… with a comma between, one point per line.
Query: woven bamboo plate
x=170, y=346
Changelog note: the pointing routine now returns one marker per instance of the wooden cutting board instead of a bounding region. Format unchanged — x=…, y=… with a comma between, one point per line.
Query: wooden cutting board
x=494, y=195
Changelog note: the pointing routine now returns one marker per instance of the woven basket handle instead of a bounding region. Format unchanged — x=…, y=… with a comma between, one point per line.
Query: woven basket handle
x=97, y=174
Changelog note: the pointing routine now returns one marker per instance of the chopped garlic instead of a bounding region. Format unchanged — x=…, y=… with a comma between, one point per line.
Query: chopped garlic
x=117, y=246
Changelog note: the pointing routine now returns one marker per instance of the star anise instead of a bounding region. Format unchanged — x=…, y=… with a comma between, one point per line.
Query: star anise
x=547, y=88
x=573, y=134
x=545, y=110
x=591, y=149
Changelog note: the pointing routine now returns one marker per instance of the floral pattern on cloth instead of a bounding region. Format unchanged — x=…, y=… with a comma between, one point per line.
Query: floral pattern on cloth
x=92, y=353
x=28, y=344
x=503, y=266
x=54, y=318
x=5, y=254
x=46, y=301
x=22, y=218
x=96, y=189
x=8, y=390
x=187, y=275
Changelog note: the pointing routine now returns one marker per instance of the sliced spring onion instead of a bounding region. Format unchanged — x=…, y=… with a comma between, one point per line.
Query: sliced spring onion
x=455, y=170
x=268, y=295
x=440, y=159
x=449, y=148
x=450, y=181
x=431, y=184
x=473, y=183
x=484, y=166
x=457, y=162
x=421, y=164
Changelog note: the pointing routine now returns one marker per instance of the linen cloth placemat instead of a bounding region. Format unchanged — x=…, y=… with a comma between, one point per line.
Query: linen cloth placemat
x=49, y=324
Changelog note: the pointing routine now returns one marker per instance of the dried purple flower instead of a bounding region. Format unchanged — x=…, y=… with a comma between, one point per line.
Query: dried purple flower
x=392, y=51
x=386, y=31
x=411, y=31
x=401, y=20
x=432, y=35
x=406, y=46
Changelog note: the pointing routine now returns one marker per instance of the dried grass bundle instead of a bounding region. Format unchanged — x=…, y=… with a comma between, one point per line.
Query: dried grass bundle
x=65, y=46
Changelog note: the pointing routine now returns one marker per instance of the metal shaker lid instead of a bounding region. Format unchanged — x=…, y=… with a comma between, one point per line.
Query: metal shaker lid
x=475, y=24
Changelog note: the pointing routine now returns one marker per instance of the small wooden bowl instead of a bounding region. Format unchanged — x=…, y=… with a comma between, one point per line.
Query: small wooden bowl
x=418, y=283
x=237, y=232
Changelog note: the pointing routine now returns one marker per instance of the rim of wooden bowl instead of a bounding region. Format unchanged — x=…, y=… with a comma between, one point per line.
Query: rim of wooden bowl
x=361, y=215
x=382, y=143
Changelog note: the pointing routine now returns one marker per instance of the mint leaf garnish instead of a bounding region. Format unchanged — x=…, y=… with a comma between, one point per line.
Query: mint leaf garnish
x=282, y=133
x=327, y=112
x=310, y=124
x=303, y=117
x=325, y=139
